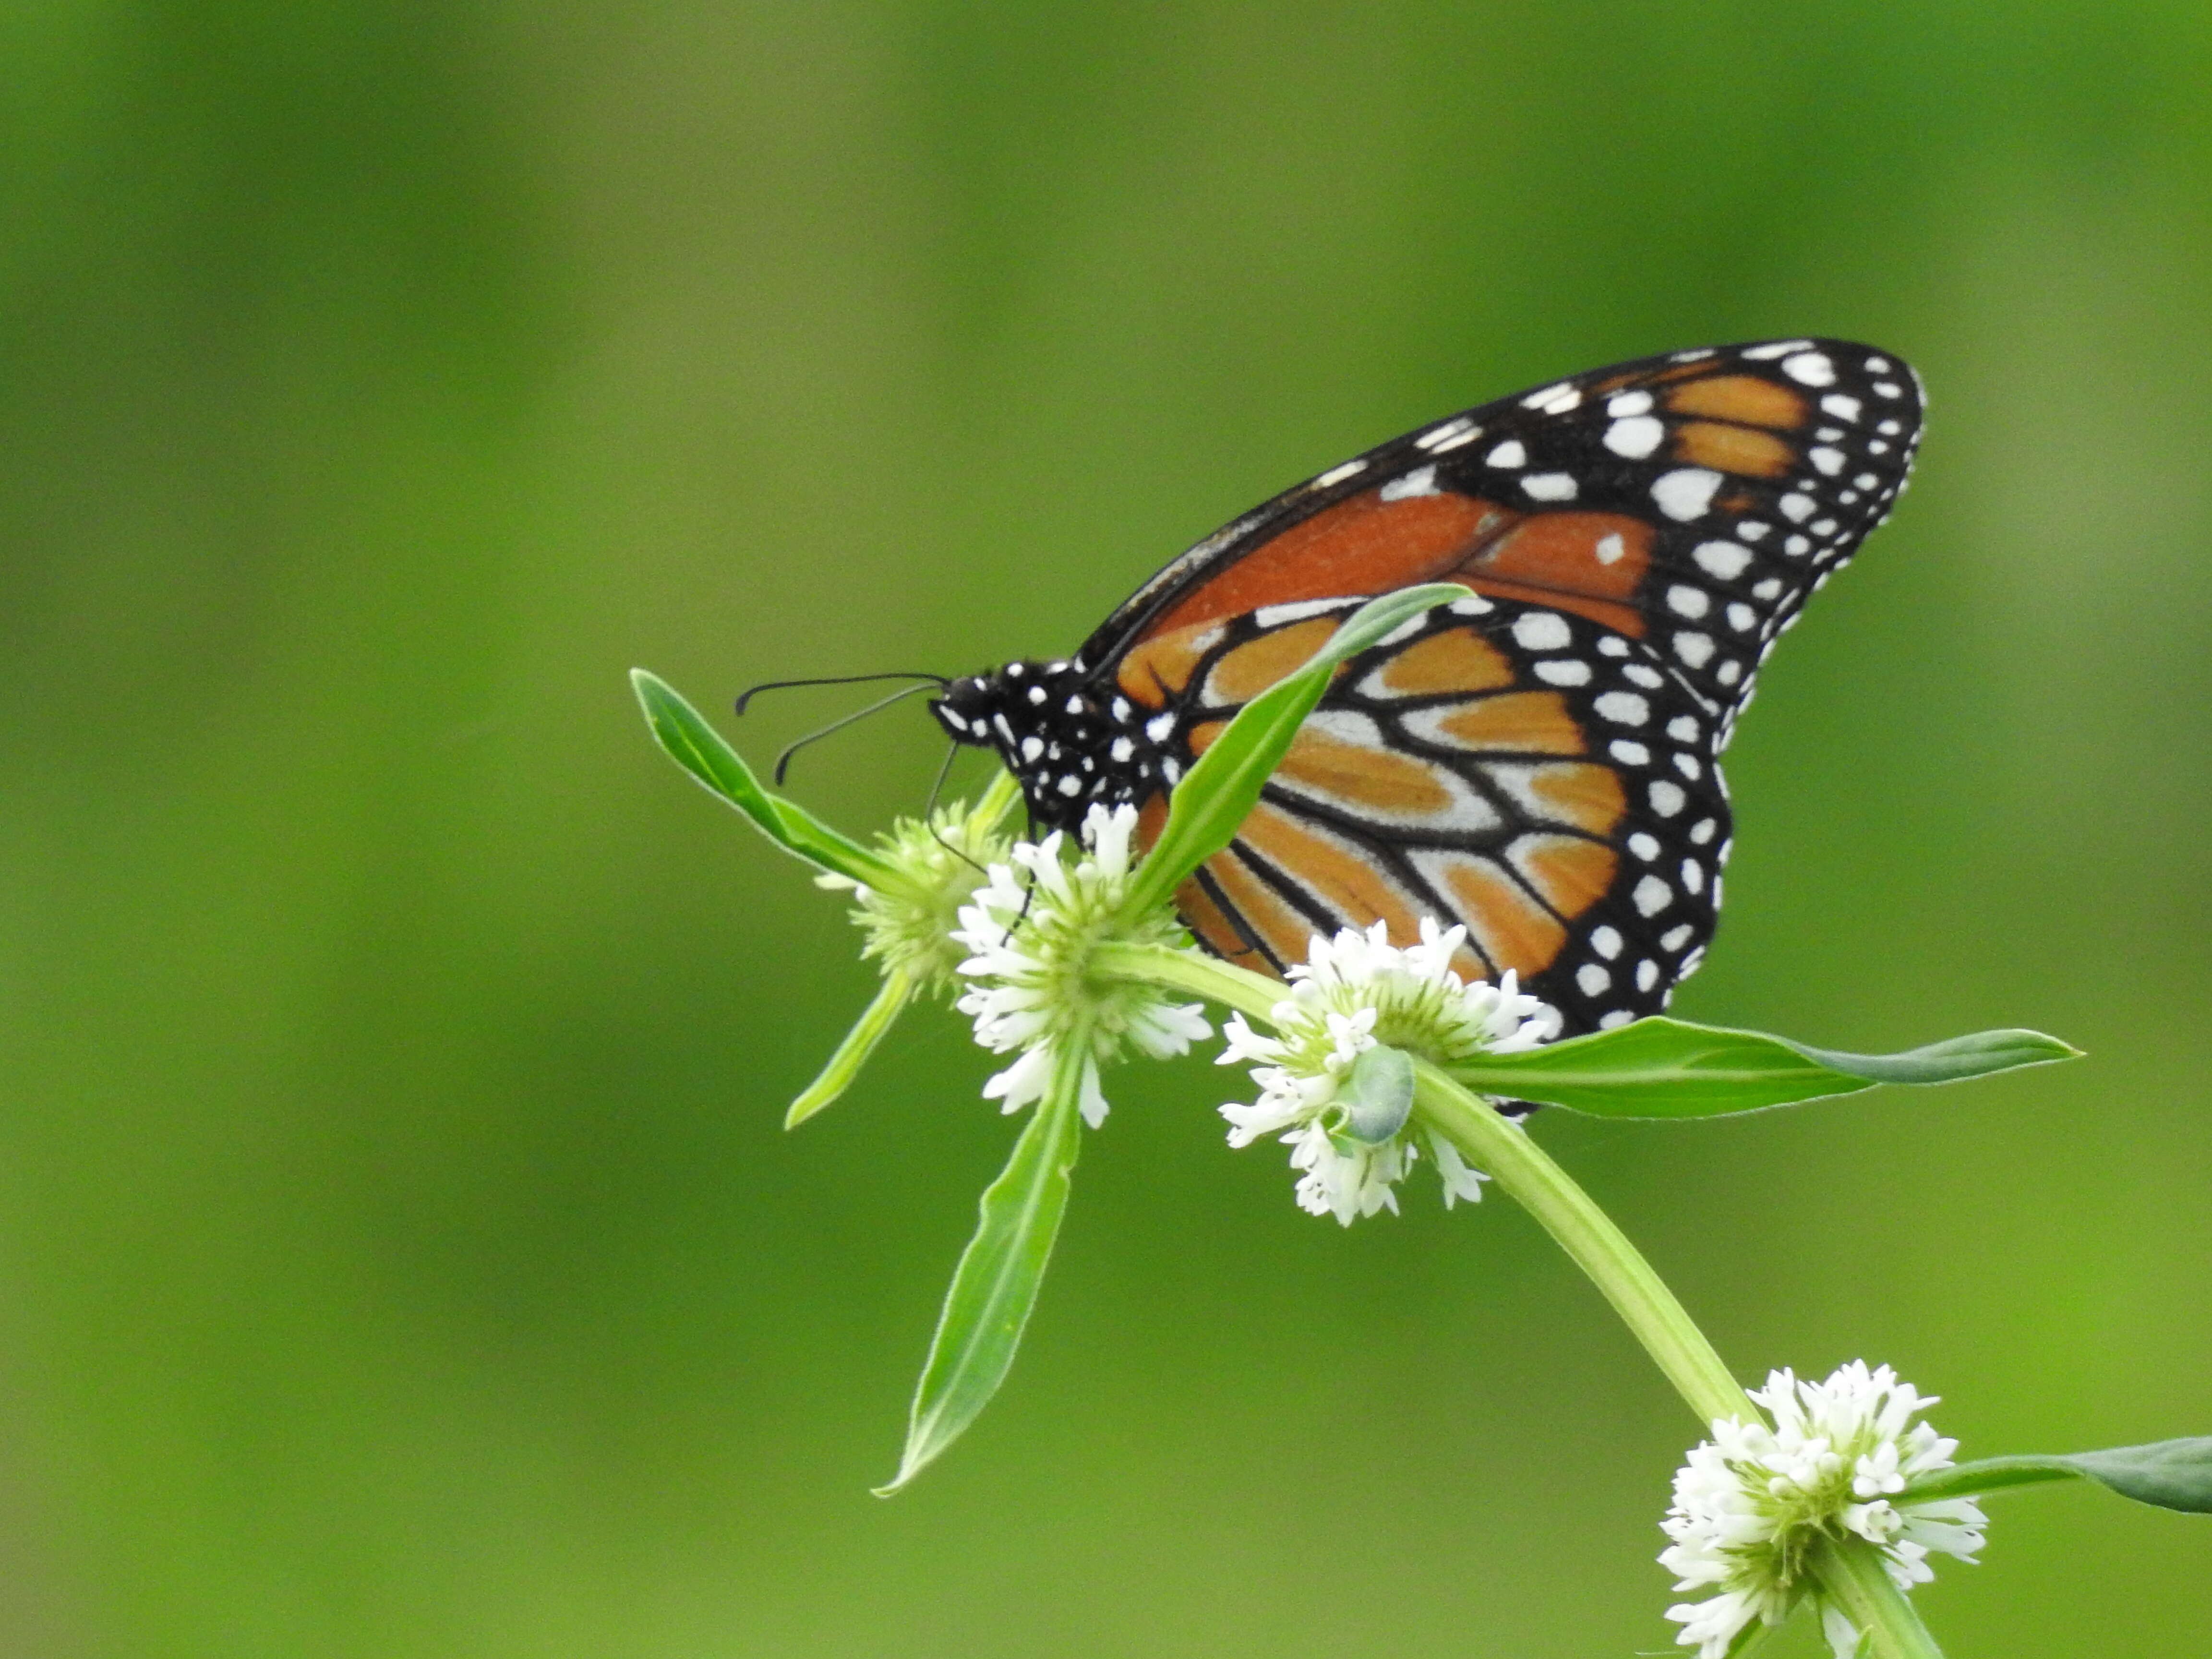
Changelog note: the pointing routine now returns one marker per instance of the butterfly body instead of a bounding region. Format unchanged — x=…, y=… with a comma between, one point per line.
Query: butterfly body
x=1540, y=761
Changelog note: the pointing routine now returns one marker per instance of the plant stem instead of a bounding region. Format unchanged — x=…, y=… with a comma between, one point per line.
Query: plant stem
x=1504, y=1150
x=1186, y=970
x=1003, y=795
x=1518, y=1165
x=1850, y=1570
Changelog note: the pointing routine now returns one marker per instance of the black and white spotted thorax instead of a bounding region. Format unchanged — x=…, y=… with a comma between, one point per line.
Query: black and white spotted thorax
x=1073, y=742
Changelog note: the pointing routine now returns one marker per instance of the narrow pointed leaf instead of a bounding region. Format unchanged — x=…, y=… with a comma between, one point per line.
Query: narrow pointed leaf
x=2173, y=1474
x=868, y=1030
x=996, y=1283
x=1949, y=1061
x=699, y=749
x=1223, y=786
x=1670, y=1068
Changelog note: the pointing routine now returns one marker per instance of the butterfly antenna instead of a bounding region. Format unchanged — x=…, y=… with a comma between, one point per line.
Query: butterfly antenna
x=783, y=760
x=937, y=680
x=929, y=812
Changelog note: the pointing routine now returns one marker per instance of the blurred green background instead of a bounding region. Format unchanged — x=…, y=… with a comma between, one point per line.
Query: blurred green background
x=400, y=1255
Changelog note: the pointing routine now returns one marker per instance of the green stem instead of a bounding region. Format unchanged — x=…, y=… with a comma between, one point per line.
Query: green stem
x=1001, y=799
x=1850, y=1570
x=1504, y=1150
x=1186, y=970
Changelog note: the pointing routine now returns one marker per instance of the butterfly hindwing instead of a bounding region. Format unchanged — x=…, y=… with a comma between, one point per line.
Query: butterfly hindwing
x=1542, y=779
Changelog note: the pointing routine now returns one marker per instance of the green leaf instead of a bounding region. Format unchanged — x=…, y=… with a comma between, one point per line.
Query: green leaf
x=995, y=1284
x=1221, y=788
x=1669, y=1068
x=2173, y=1474
x=699, y=749
x=853, y=1053
x=1378, y=1095
x=1948, y=1061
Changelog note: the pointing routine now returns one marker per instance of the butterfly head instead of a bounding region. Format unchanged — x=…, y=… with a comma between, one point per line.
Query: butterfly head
x=1045, y=720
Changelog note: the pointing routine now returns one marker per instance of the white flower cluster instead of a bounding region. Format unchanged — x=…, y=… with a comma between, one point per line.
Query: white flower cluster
x=1353, y=992
x=1030, y=938
x=1752, y=1499
x=938, y=865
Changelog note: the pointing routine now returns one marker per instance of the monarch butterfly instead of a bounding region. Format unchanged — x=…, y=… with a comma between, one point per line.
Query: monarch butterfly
x=1539, y=760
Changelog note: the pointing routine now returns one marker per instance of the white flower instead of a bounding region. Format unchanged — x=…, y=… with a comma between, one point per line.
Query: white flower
x=1753, y=1499
x=1030, y=938
x=937, y=867
x=1355, y=993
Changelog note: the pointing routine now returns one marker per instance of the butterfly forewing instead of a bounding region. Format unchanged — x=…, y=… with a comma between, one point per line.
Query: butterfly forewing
x=1692, y=501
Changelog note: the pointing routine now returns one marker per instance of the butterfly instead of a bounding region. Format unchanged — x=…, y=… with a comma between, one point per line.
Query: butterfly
x=1540, y=761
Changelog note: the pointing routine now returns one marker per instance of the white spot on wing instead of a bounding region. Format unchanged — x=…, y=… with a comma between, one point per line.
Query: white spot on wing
x=1635, y=437
x=1512, y=452
x=1274, y=615
x=1337, y=475
x=1421, y=483
x=1549, y=486
x=1563, y=670
x=1436, y=436
x=1622, y=707
x=1809, y=369
x=1609, y=548
x=1542, y=630
x=1652, y=895
x=1686, y=492
x=1725, y=560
